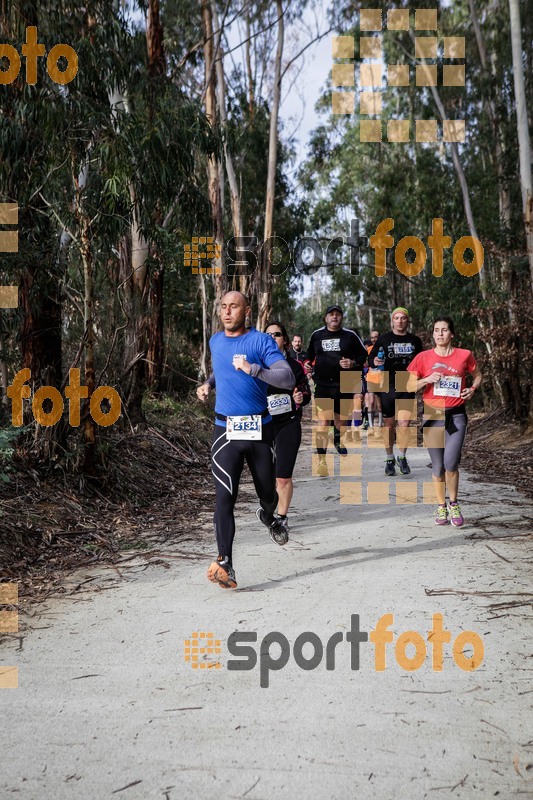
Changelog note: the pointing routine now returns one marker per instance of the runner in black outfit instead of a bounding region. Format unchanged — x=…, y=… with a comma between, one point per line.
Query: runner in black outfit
x=400, y=347
x=334, y=350
x=286, y=411
x=244, y=362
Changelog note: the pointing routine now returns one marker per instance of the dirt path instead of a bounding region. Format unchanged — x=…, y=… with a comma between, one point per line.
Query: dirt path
x=107, y=705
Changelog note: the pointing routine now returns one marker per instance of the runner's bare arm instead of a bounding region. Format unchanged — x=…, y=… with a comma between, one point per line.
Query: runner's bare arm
x=433, y=378
x=469, y=392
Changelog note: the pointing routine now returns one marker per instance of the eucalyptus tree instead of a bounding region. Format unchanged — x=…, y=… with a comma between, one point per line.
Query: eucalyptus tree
x=472, y=186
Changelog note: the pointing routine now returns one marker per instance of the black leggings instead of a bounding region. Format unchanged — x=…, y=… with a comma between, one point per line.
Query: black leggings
x=288, y=437
x=388, y=401
x=227, y=462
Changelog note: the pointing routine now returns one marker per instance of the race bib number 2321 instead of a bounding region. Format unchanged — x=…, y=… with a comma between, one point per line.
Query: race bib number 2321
x=449, y=386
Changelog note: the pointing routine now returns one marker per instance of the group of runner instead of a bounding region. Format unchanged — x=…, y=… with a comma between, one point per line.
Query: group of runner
x=261, y=384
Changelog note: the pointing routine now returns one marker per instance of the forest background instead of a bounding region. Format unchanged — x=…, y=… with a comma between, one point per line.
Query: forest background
x=171, y=130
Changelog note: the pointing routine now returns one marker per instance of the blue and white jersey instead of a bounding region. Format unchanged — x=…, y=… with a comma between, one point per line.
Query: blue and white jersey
x=237, y=393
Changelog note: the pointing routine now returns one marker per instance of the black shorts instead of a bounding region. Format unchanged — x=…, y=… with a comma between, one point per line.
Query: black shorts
x=388, y=401
x=335, y=394
x=287, y=439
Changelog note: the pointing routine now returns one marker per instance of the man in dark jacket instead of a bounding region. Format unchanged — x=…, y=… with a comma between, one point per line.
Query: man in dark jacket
x=337, y=355
x=399, y=348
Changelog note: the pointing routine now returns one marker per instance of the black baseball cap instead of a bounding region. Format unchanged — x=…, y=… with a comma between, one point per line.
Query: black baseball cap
x=329, y=309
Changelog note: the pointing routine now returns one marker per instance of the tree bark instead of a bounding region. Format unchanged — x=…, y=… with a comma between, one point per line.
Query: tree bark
x=524, y=144
x=235, y=199
x=265, y=282
x=213, y=175
x=156, y=344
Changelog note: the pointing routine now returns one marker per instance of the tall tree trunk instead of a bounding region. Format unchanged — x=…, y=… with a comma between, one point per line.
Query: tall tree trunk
x=265, y=281
x=83, y=222
x=249, y=73
x=40, y=295
x=203, y=363
x=89, y=425
x=140, y=324
x=235, y=199
x=137, y=343
x=40, y=309
x=156, y=345
x=506, y=369
x=524, y=144
x=155, y=321
x=490, y=104
x=213, y=175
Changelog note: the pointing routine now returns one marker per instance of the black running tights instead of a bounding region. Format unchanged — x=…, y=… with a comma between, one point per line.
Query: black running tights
x=227, y=462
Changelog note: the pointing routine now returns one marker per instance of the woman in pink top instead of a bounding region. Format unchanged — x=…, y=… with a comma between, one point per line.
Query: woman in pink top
x=442, y=373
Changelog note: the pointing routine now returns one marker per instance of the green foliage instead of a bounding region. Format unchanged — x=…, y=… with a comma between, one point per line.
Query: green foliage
x=8, y=437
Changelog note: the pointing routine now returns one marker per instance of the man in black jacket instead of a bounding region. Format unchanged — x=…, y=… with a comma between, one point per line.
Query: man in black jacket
x=338, y=355
x=296, y=350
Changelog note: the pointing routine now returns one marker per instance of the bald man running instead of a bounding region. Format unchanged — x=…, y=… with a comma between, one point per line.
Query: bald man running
x=245, y=361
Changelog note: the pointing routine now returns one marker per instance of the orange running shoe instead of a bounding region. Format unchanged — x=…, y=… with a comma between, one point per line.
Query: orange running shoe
x=220, y=572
